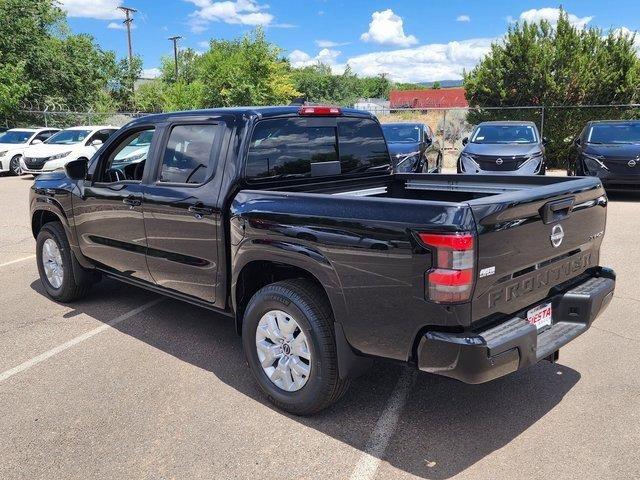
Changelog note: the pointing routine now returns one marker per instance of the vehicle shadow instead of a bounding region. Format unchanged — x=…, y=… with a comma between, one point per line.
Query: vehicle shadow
x=445, y=426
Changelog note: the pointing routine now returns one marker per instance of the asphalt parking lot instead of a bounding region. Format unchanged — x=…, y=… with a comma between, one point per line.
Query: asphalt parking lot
x=125, y=384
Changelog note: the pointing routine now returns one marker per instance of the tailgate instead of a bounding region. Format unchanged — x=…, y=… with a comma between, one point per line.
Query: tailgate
x=533, y=239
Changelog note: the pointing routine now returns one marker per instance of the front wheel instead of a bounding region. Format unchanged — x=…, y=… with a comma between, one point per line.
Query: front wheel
x=14, y=166
x=290, y=345
x=55, y=265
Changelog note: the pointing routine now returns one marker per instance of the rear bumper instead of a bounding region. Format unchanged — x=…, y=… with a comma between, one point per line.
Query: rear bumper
x=479, y=357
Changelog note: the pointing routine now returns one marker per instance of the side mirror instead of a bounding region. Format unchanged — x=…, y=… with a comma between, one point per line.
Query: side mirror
x=465, y=140
x=77, y=169
x=96, y=143
x=36, y=141
x=545, y=141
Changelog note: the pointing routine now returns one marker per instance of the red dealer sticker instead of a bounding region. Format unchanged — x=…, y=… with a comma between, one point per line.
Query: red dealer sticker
x=540, y=316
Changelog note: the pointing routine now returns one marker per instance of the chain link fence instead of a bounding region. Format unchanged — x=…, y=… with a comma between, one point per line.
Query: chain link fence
x=559, y=124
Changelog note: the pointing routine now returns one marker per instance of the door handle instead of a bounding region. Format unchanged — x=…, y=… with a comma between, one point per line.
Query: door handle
x=200, y=210
x=132, y=201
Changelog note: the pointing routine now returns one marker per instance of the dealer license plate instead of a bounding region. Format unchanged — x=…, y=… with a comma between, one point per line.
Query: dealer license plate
x=540, y=316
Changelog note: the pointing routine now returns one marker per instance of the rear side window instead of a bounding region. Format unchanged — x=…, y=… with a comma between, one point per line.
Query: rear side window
x=188, y=153
x=297, y=148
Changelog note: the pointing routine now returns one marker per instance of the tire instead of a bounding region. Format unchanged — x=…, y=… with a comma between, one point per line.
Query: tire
x=303, y=301
x=69, y=288
x=14, y=166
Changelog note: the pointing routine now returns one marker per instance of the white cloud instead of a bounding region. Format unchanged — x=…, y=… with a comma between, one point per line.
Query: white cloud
x=204, y=45
x=552, y=15
x=300, y=59
x=119, y=26
x=386, y=28
x=330, y=44
x=150, y=73
x=426, y=63
x=242, y=12
x=463, y=18
x=100, y=9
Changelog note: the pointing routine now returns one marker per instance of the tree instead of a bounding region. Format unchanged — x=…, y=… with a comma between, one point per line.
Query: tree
x=562, y=65
x=57, y=66
x=187, y=66
x=435, y=85
x=248, y=71
x=12, y=88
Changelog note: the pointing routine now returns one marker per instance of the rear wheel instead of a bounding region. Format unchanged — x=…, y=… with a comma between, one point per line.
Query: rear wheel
x=55, y=265
x=14, y=166
x=289, y=343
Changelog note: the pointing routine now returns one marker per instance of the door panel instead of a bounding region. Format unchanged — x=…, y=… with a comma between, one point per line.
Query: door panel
x=110, y=231
x=180, y=215
x=182, y=244
x=109, y=212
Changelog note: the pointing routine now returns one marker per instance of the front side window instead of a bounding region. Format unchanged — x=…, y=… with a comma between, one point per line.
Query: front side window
x=504, y=134
x=101, y=135
x=188, y=154
x=15, y=137
x=68, y=137
x=128, y=159
x=43, y=136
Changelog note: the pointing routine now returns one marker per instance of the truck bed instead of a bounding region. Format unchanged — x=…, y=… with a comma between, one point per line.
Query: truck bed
x=363, y=232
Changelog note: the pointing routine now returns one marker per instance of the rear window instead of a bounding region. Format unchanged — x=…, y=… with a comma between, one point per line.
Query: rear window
x=289, y=148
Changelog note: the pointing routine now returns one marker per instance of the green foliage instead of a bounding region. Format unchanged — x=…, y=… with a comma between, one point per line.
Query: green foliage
x=538, y=64
x=248, y=71
x=57, y=67
x=187, y=66
x=436, y=86
x=12, y=88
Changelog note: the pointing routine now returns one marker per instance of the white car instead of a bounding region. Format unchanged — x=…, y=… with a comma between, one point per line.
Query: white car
x=63, y=147
x=13, y=143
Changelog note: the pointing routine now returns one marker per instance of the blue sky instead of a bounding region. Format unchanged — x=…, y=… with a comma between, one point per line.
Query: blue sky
x=410, y=40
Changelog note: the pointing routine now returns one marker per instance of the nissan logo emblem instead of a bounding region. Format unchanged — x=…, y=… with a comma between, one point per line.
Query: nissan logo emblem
x=632, y=163
x=499, y=161
x=557, y=234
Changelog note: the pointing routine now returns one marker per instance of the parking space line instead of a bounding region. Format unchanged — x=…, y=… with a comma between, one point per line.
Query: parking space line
x=17, y=261
x=385, y=426
x=75, y=341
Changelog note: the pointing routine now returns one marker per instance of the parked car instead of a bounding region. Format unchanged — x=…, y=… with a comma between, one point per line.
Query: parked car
x=413, y=146
x=15, y=141
x=63, y=147
x=271, y=216
x=609, y=150
x=503, y=148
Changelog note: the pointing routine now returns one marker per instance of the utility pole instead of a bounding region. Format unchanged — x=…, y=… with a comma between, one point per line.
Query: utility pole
x=128, y=21
x=175, y=55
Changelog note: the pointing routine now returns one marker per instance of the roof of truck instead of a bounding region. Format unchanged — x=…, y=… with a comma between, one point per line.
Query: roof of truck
x=263, y=112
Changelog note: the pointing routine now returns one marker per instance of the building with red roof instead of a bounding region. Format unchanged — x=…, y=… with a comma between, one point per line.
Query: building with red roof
x=428, y=98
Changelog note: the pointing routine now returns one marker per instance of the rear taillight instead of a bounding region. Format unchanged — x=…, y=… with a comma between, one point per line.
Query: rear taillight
x=451, y=278
x=319, y=110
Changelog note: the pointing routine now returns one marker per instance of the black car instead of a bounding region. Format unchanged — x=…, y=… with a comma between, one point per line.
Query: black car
x=503, y=148
x=413, y=145
x=290, y=223
x=609, y=150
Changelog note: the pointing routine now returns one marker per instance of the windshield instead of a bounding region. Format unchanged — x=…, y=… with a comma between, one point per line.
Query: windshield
x=68, y=137
x=15, y=136
x=612, y=133
x=401, y=133
x=504, y=134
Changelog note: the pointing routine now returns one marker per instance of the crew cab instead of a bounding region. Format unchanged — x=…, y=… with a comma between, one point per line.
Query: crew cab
x=291, y=222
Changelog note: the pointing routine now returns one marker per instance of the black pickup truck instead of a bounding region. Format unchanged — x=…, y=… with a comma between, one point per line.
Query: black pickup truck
x=291, y=222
